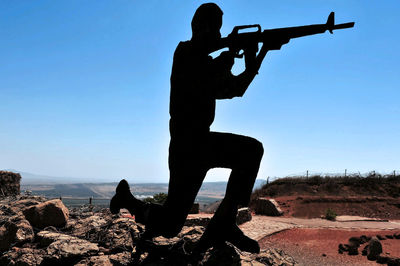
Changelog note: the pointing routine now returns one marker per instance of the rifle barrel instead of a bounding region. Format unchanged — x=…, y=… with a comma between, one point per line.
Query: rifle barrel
x=343, y=26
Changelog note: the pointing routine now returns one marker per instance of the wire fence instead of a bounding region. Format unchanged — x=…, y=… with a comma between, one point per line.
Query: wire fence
x=345, y=174
x=79, y=201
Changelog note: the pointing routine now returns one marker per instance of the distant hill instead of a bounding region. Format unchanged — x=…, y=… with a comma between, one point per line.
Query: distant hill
x=29, y=178
x=38, y=179
x=209, y=192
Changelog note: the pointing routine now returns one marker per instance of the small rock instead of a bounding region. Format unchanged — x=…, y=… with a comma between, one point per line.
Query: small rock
x=224, y=255
x=71, y=250
x=197, y=221
x=45, y=238
x=82, y=226
x=365, y=250
x=394, y=262
x=374, y=248
x=243, y=215
x=380, y=237
x=96, y=261
x=354, y=244
x=274, y=257
x=123, y=258
x=364, y=239
x=356, y=240
x=343, y=248
x=382, y=259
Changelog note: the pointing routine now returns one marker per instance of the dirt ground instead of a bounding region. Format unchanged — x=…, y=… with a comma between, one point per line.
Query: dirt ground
x=315, y=206
x=320, y=246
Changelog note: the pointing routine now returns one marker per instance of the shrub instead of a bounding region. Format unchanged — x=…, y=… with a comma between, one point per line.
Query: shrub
x=159, y=198
x=330, y=214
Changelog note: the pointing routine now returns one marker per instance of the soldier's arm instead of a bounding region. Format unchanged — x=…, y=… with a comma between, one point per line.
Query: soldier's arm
x=229, y=85
x=235, y=86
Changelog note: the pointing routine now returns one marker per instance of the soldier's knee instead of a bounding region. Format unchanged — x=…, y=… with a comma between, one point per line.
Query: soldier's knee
x=257, y=148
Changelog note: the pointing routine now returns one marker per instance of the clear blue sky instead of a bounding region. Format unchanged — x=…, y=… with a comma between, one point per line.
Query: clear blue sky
x=84, y=87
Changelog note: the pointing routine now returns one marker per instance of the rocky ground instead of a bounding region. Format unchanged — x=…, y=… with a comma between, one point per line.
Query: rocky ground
x=36, y=231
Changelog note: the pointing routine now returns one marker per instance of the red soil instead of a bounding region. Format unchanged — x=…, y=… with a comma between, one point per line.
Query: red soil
x=320, y=246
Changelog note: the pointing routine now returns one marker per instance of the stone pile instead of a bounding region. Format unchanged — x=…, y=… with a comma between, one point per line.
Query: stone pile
x=37, y=231
x=372, y=248
x=9, y=183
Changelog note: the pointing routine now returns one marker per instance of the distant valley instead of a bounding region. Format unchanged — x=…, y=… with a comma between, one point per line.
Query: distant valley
x=55, y=187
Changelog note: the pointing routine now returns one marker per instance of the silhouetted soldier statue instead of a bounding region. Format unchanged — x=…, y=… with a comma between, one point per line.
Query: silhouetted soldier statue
x=197, y=81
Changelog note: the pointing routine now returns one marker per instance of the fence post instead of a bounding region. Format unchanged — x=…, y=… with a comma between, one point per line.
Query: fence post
x=60, y=198
x=90, y=201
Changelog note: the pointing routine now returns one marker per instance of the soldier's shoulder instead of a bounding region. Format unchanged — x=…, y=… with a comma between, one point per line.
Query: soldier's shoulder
x=184, y=47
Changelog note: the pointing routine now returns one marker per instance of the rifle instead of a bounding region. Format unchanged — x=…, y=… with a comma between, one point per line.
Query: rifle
x=236, y=41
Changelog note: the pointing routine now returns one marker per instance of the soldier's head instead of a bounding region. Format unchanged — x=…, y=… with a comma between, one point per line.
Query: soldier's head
x=206, y=23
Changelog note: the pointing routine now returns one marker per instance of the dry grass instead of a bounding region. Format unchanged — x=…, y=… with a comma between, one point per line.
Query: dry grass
x=371, y=184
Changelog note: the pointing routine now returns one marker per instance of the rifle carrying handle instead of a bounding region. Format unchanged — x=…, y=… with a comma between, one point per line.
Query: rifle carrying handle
x=236, y=30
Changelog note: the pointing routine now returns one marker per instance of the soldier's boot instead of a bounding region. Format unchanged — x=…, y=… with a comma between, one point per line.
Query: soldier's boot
x=123, y=198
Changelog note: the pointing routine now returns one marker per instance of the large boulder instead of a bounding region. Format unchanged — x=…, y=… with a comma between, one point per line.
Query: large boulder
x=268, y=207
x=374, y=248
x=15, y=231
x=243, y=215
x=9, y=183
x=49, y=213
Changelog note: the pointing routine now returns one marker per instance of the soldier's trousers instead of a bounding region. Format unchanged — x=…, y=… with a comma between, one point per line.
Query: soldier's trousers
x=189, y=160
